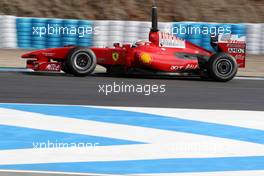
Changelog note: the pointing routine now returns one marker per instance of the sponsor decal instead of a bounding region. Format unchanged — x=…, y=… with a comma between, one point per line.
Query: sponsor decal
x=235, y=45
x=240, y=56
x=115, y=56
x=231, y=38
x=236, y=50
x=167, y=40
x=185, y=67
x=177, y=67
x=48, y=54
x=145, y=58
x=191, y=66
x=53, y=67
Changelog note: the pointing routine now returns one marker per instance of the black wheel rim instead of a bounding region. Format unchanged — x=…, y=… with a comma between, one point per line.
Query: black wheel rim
x=82, y=61
x=224, y=67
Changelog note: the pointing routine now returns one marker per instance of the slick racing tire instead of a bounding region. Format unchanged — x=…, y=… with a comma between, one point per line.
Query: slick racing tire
x=81, y=61
x=222, y=67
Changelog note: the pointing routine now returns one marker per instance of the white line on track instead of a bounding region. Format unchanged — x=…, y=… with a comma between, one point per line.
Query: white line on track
x=226, y=173
x=250, y=78
x=15, y=70
x=239, y=118
x=42, y=173
x=160, y=143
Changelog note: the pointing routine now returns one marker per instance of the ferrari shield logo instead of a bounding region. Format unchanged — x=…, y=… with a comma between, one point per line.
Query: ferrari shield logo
x=115, y=56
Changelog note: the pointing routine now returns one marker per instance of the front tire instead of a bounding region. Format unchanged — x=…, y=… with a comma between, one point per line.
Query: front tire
x=81, y=61
x=222, y=67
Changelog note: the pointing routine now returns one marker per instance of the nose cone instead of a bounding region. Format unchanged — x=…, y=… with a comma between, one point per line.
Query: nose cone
x=33, y=54
x=29, y=55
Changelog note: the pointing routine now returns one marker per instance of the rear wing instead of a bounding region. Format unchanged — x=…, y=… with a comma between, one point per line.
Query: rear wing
x=233, y=44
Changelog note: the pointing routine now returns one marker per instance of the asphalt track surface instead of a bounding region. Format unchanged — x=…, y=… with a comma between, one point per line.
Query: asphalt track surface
x=29, y=87
x=26, y=87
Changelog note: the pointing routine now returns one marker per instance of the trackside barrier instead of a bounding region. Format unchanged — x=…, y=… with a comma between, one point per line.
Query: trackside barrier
x=8, y=33
x=255, y=38
x=87, y=38
x=54, y=40
x=37, y=33
x=24, y=32
x=200, y=33
x=38, y=41
x=110, y=32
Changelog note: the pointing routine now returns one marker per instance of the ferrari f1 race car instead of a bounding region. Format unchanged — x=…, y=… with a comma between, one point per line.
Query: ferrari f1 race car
x=163, y=54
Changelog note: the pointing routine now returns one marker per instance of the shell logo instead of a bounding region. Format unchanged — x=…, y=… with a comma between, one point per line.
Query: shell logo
x=145, y=58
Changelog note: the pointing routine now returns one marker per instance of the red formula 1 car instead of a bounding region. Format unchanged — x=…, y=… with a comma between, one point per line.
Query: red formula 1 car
x=162, y=54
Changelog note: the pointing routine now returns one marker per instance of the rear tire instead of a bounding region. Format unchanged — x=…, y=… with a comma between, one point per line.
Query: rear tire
x=81, y=61
x=222, y=67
